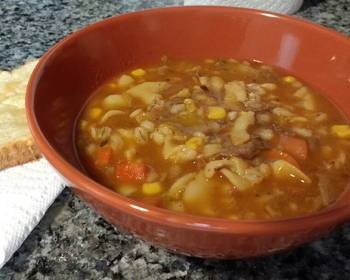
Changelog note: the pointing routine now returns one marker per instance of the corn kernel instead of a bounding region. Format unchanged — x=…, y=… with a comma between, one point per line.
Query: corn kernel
x=289, y=79
x=190, y=105
x=95, y=113
x=126, y=189
x=138, y=72
x=194, y=143
x=216, y=113
x=151, y=188
x=341, y=130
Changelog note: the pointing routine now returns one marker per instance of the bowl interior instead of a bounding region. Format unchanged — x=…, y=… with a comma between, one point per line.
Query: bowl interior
x=74, y=68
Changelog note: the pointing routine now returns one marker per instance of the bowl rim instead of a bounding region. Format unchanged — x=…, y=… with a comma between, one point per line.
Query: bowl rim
x=331, y=215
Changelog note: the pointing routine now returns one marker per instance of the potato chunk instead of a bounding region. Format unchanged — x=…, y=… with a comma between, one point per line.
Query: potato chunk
x=235, y=91
x=307, y=100
x=239, y=131
x=147, y=91
x=116, y=101
x=198, y=195
x=215, y=84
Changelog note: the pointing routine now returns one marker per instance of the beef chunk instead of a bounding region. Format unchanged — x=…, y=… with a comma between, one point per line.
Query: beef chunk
x=247, y=150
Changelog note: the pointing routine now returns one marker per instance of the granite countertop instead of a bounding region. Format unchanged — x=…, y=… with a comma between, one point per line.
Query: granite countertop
x=73, y=242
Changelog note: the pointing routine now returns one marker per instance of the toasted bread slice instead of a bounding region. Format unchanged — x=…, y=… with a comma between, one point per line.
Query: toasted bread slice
x=16, y=143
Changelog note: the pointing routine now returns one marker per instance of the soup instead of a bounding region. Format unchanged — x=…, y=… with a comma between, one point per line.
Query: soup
x=217, y=137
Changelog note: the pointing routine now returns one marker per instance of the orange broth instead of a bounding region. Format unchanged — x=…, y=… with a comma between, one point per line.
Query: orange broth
x=254, y=142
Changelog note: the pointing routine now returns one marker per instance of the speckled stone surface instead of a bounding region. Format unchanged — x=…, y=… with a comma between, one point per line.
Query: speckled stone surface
x=73, y=242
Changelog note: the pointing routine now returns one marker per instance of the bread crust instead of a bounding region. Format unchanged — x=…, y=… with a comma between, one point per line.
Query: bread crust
x=19, y=147
x=18, y=152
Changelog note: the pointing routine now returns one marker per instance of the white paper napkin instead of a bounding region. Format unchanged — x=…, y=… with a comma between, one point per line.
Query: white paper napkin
x=279, y=6
x=26, y=192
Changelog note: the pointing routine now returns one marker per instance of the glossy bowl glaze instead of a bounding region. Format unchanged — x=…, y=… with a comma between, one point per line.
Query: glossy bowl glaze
x=69, y=72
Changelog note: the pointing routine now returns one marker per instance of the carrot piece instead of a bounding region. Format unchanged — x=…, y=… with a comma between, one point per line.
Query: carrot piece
x=131, y=172
x=275, y=154
x=103, y=156
x=295, y=146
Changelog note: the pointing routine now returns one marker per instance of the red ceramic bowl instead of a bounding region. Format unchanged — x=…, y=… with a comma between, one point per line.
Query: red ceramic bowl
x=70, y=71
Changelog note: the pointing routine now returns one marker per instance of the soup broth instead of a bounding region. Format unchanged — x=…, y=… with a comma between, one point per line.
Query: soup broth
x=217, y=137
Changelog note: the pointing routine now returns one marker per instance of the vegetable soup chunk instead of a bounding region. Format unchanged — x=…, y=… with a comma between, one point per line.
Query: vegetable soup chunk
x=216, y=137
